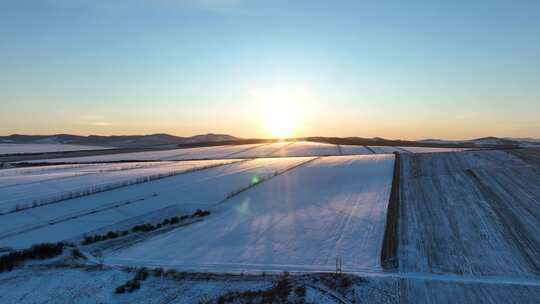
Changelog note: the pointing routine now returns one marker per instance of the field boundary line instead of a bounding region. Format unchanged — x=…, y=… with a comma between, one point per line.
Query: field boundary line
x=267, y=178
x=389, y=251
x=370, y=150
x=81, y=192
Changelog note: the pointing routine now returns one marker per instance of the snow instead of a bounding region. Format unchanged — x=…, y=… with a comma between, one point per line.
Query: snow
x=214, y=152
x=86, y=284
x=199, y=189
x=265, y=150
x=306, y=148
x=469, y=213
x=387, y=149
x=41, y=148
x=430, y=150
x=301, y=220
x=42, y=185
x=354, y=150
x=277, y=149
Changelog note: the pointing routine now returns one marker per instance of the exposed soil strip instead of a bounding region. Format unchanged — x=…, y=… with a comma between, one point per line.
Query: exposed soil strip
x=389, y=252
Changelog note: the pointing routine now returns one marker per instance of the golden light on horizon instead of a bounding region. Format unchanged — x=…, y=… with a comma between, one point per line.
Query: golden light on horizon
x=280, y=123
x=280, y=110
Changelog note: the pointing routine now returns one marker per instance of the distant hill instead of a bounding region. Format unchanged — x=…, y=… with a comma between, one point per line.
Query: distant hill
x=165, y=140
x=490, y=141
x=115, y=141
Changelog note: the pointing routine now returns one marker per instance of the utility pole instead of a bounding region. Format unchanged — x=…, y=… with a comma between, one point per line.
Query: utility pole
x=338, y=271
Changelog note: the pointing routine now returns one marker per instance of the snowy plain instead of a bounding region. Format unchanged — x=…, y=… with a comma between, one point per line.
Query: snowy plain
x=277, y=149
x=193, y=190
x=27, y=186
x=333, y=207
x=470, y=213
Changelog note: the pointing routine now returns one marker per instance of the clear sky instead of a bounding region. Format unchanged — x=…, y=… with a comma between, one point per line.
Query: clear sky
x=396, y=69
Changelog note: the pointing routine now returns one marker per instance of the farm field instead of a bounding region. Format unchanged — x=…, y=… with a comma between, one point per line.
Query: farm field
x=467, y=225
x=214, y=152
x=333, y=207
x=193, y=190
x=470, y=213
x=41, y=148
x=278, y=149
x=24, y=187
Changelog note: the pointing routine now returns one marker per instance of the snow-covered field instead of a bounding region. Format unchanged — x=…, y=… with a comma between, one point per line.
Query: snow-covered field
x=278, y=149
x=89, y=284
x=24, y=187
x=472, y=213
x=333, y=207
x=468, y=228
x=199, y=189
x=41, y=148
x=427, y=149
x=215, y=152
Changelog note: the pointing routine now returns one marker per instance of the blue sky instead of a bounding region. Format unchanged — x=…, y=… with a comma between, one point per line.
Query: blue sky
x=398, y=69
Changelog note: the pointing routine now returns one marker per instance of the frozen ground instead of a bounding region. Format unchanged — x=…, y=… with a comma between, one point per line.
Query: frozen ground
x=472, y=213
x=468, y=228
x=427, y=149
x=28, y=186
x=278, y=149
x=200, y=189
x=91, y=284
x=94, y=285
x=333, y=207
x=41, y=148
x=215, y=152
x=306, y=148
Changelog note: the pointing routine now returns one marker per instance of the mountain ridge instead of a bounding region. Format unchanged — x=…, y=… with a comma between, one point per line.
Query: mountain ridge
x=115, y=140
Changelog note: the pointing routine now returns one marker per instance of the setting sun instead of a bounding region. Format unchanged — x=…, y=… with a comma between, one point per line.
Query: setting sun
x=280, y=110
x=280, y=123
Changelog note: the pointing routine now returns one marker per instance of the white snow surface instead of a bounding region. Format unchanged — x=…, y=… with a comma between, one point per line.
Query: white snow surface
x=74, y=217
x=307, y=148
x=26, y=186
x=301, y=220
x=215, y=152
x=429, y=149
x=277, y=149
x=41, y=148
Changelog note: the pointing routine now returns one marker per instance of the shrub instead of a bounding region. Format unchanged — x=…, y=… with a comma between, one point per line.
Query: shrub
x=141, y=275
x=76, y=253
x=201, y=213
x=120, y=289
x=300, y=291
x=111, y=235
x=36, y=252
x=133, y=285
